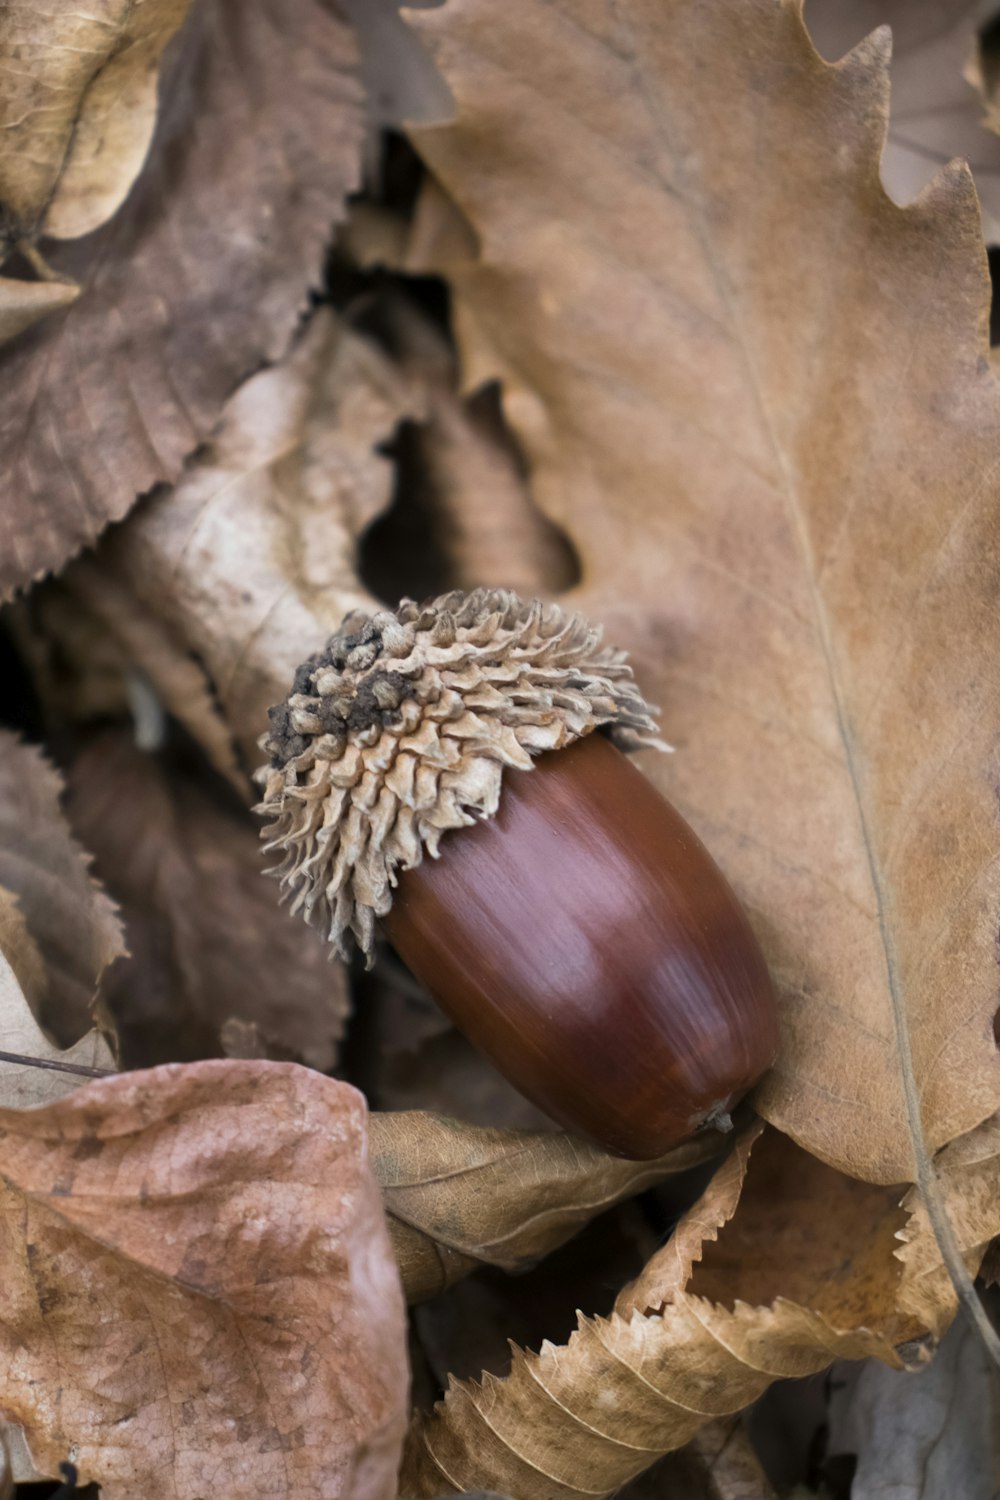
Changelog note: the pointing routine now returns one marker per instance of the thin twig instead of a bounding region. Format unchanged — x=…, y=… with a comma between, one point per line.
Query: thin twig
x=54, y=1066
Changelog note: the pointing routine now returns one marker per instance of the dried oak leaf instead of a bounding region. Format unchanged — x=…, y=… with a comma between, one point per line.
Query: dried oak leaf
x=458, y=1195
x=194, y=282
x=936, y=112
x=250, y=561
x=198, y=1295
x=805, y=1272
x=72, y=923
x=208, y=938
x=756, y=395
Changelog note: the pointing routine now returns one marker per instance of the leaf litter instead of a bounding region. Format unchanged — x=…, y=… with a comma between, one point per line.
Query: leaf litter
x=713, y=387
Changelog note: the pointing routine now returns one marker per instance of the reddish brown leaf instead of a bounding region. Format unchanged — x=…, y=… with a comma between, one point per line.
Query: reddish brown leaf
x=197, y=1294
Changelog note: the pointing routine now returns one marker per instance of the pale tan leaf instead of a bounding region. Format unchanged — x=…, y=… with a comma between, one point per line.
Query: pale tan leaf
x=936, y=113
x=583, y=1418
x=458, y=1195
x=756, y=395
x=198, y=1290
x=25, y=302
x=71, y=921
x=23, y=1086
x=208, y=938
x=194, y=283
x=78, y=108
x=250, y=563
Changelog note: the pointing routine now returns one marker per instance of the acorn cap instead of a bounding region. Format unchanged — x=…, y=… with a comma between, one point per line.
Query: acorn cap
x=400, y=730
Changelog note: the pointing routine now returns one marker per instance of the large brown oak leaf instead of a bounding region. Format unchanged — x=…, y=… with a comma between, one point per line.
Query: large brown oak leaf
x=756, y=395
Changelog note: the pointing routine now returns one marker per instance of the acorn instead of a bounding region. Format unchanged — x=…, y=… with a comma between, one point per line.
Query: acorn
x=456, y=772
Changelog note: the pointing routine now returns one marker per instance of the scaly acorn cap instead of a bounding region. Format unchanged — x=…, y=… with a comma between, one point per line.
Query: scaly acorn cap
x=400, y=730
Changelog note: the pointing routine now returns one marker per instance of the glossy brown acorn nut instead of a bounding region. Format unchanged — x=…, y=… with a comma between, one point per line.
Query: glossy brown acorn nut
x=587, y=942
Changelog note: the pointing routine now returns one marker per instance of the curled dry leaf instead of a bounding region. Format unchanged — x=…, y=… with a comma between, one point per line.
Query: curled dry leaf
x=193, y=283
x=71, y=922
x=198, y=1291
x=208, y=938
x=76, y=117
x=738, y=371
x=250, y=561
x=771, y=1298
x=458, y=1195
x=936, y=111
